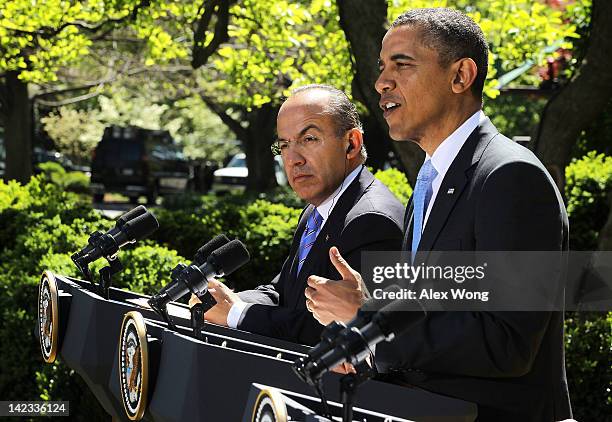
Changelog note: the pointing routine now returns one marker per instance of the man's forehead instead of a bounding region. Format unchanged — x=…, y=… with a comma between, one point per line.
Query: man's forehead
x=312, y=98
x=312, y=104
x=405, y=39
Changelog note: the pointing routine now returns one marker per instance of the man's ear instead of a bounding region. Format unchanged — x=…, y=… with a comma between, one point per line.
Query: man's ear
x=464, y=75
x=355, y=141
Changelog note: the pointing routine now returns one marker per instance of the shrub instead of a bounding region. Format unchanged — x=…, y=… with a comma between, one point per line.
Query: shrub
x=267, y=230
x=588, y=345
x=264, y=227
x=588, y=184
x=40, y=226
x=72, y=181
x=397, y=183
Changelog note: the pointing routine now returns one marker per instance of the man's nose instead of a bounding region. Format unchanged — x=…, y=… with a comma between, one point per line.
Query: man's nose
x=293, y=157
x=383, y=83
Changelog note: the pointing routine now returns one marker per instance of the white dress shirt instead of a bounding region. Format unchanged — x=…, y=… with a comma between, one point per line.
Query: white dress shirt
x=325, y=209
x=446, y=152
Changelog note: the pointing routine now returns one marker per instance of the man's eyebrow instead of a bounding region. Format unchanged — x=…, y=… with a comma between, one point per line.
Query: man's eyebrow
x=307, y=128
x=401, y=56
x=302, y=132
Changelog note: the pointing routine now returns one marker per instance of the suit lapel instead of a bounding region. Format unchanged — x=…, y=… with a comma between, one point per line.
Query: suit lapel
x=330, y=233
x=454, y=182
x=408, y=222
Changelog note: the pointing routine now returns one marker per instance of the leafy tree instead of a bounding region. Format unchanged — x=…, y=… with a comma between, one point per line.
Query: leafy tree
x=272, y=47
x=76, y=131
x=41, y=39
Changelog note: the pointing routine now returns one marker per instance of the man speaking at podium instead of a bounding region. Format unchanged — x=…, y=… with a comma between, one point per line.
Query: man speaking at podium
x=321, y=143
x=476, y=191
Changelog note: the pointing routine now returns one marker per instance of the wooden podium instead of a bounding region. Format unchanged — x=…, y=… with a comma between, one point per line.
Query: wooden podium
x=189, y=379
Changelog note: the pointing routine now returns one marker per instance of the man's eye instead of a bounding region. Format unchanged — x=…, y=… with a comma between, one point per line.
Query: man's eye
x=310, y=138
x=283, y=145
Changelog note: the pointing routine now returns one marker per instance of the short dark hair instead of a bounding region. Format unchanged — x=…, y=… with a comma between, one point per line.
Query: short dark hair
x=343, y=112
x=453, y=35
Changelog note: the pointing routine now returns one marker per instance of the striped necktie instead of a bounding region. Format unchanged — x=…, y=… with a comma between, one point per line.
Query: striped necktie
x=313, y=225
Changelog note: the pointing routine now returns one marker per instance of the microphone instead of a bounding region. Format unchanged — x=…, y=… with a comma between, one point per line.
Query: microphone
x=222, y=261
x=200, y=257
x=333, y=329
x=202, y=254
x=354, y=342
x=130, y=227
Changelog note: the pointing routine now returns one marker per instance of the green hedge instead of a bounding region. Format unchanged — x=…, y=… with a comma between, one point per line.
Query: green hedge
x=587, y=189
x=41, y=225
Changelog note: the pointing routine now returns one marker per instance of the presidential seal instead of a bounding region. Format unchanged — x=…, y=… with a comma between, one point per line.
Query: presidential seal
x=48, y=316
x=269, y=407
x=133, y=365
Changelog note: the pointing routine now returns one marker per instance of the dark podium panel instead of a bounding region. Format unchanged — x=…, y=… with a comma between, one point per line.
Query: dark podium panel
x=208, y=379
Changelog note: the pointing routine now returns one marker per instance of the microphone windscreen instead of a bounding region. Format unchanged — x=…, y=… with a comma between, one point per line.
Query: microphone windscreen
x=130, y=215
x=213, y=244
x=229, y=257
x=141, y=226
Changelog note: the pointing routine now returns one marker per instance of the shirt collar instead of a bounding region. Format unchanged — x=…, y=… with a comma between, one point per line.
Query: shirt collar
x=446, y=152
x=327, y=206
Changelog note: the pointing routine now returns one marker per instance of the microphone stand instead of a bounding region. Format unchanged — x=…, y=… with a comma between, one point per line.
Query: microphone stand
x=114, y=265
x=106, y=274
x=348, y=388
x=198, y=310
x=163, y=312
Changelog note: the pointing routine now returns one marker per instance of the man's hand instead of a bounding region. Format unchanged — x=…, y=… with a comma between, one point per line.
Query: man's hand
x=335, y=300
x=225, y=298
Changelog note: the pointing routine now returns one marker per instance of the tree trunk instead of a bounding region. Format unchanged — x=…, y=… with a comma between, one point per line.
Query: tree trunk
x=363, y=23
x=582, y=100
x=377, y=142
x=260, y=134
x=17, y=129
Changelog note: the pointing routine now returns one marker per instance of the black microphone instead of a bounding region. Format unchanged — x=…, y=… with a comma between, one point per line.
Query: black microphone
x=332, y=330
x=130, y=228
x=355, y=342
x=223, y=261
x=207, y=300
x=124, y=218
x=202, y=254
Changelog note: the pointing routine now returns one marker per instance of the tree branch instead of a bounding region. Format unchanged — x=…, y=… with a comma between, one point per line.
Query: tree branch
x=201, y=53
x=230, y=122
x=110, y=79
x=581, y=101
x=47, y=32
x=72, y=100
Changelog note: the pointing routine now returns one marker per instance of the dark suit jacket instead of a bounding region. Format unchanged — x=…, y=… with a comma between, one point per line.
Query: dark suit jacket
x=367, y=216
x=510, y=363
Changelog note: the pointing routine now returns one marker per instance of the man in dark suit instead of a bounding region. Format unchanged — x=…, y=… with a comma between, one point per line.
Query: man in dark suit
x=320, y=141
x=476, y=191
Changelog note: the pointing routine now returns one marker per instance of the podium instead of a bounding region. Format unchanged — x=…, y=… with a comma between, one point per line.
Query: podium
x=206, y=379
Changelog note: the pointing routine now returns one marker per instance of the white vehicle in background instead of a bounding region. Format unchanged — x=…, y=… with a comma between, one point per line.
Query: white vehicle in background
x=233, y=177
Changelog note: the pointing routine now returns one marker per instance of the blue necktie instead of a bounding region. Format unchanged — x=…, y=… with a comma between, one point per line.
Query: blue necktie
x=422, y=195
x=309, y=236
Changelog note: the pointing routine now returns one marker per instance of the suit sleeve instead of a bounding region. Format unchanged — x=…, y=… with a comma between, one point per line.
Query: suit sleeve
x=266, y=295
x=518, y=210
x=368, y=232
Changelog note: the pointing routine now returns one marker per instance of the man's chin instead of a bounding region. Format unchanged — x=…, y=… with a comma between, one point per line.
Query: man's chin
x=401, y=137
